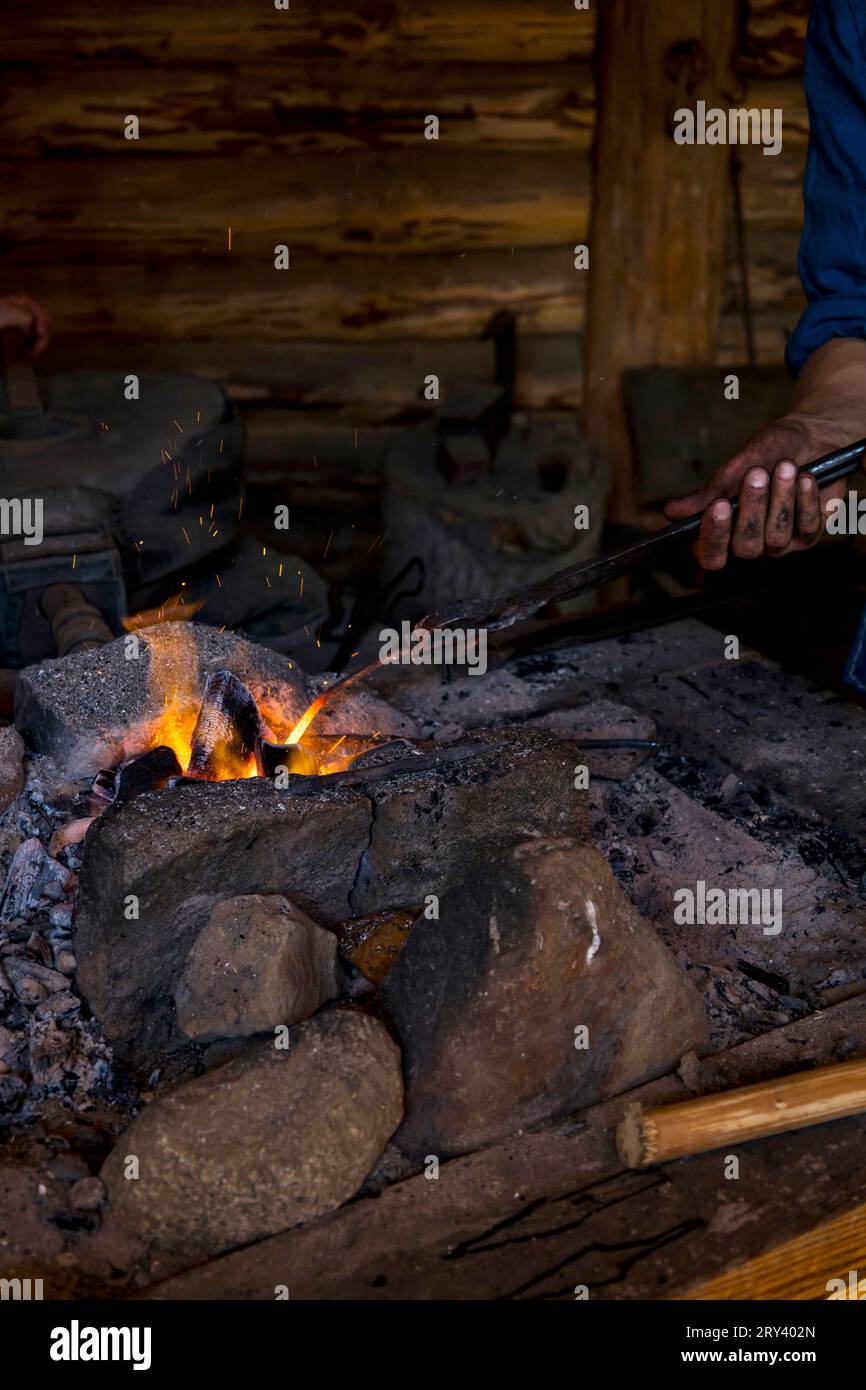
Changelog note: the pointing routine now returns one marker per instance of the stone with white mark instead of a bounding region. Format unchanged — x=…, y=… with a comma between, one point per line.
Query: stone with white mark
x=486, y=1000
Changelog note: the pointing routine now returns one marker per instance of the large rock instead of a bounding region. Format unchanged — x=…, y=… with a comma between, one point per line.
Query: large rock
x=270, y=1139
x=257, y=962
x=371, y=839
x=92, y=709
x=486, y=1001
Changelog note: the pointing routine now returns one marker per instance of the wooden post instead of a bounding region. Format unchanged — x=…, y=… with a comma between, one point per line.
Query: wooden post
x=658, y=210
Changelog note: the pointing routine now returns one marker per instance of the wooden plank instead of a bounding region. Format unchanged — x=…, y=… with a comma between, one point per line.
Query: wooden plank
x=297, y=107
x=357, y=202
x=209, y=31
x=658, y=260
x=377, y=380
x=801, y=1268
x=303, y=108
x=773, y=185
x=437, y=296
x=785, y=93
x=774, y=37
x=300, y=107
x=545, y=31
x=444, y=296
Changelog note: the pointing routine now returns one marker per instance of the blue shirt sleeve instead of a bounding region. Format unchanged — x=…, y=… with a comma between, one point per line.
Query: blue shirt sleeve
x=832, y=258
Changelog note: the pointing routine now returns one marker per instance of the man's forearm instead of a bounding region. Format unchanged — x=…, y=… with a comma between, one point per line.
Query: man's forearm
x=832, y=386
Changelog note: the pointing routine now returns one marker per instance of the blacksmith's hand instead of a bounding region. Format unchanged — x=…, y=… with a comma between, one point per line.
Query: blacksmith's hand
x=780, y=512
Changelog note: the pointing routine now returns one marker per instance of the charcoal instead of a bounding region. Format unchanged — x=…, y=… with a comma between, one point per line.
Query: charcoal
x=23, y=882
x=150, y=771
x=227, y=731
x=292, y=756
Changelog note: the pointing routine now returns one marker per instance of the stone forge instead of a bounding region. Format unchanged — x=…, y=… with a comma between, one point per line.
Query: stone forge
x=371, y=839
x=304, y=953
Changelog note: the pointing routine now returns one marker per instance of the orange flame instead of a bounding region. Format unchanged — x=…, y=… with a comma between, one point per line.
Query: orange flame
x=173, y=684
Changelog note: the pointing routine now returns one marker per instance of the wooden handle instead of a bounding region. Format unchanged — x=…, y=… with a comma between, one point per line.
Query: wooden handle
x=77, y=626
x=752, y=1112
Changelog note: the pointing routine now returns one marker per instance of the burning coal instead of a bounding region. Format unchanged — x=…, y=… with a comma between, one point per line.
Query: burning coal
x=221, y=732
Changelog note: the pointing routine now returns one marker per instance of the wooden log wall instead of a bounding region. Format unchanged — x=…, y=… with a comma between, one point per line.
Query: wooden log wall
x=305, y=126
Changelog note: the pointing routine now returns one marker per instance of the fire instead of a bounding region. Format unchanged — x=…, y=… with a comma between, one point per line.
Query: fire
x=175, y=694
x=307, y=718
x=174, y=684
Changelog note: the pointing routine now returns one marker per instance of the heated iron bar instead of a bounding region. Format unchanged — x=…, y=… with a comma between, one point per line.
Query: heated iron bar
x=504, y=610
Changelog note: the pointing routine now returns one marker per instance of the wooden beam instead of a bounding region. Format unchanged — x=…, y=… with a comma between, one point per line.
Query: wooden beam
x=801, y=1268
x=358, y=202
x=775, y=37
x=444, y=296
x=301, y=107
x=658, y=217
x=164, y=32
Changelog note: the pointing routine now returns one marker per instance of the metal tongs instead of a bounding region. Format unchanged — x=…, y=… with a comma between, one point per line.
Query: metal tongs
x=505, y=609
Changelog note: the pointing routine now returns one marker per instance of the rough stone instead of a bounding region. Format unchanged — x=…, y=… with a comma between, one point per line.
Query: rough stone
x=11, y=766
x=88, y=1194
x=258, y=961
x=486, y=1001
x=366, y=840
x=270, y=1139
x=93, y=709
x=533, y=1216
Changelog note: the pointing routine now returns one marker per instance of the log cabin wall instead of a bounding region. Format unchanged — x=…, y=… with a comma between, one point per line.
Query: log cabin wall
x=306, y=127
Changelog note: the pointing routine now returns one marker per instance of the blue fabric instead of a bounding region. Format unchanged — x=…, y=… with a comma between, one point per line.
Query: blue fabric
x=832, y=259
x=855, y=670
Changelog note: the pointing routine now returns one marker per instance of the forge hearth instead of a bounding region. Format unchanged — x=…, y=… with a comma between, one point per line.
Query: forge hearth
x=370, y=839
x=93, y=710
x=431, y=929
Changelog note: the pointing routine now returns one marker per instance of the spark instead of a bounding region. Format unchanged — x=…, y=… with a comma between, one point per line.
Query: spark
x=74, y=561
x=183, y=528
x=328, y=546
x=230, y=238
